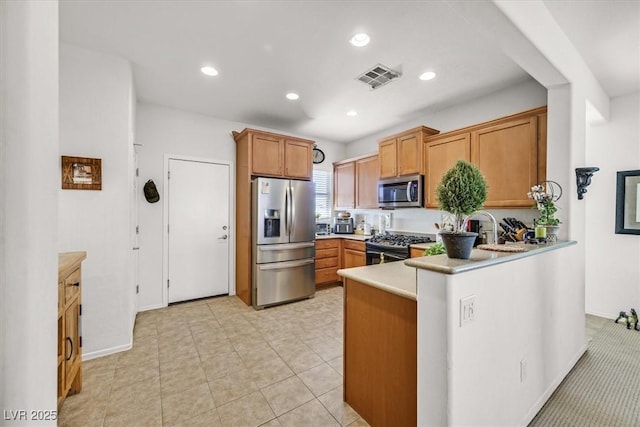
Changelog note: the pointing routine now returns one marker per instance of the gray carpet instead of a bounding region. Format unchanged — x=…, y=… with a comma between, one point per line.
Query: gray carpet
x=603, y=389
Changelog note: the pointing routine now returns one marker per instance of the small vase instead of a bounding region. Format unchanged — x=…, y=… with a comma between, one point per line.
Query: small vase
x=458, y=245
x=552, y=232
x=540, y=232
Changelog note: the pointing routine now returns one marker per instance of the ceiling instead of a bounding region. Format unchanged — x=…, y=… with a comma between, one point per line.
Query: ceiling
x=264, y=49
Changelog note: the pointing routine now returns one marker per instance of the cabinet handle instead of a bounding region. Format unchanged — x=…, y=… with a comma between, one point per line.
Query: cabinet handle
x=75, y=284
x=70, y=342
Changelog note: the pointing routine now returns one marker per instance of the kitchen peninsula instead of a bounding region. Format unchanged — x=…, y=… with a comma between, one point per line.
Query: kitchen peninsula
x=490, y=338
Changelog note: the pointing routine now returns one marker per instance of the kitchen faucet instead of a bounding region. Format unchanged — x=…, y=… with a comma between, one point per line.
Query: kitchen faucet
x=493, y=222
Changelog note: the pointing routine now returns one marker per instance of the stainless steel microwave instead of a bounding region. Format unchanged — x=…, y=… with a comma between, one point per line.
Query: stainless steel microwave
x=401, y=192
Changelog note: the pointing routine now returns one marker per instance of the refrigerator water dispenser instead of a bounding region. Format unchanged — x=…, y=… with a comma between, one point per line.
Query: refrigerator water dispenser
x=271, y=223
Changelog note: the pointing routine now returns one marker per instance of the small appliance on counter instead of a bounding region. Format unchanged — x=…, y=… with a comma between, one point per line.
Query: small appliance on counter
x=342, y=225
x=323, y=228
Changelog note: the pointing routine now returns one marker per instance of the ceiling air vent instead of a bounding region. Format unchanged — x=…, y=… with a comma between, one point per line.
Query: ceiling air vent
x=378, y=76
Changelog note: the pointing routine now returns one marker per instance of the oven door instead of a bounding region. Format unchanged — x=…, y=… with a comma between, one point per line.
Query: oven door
x=373, y=256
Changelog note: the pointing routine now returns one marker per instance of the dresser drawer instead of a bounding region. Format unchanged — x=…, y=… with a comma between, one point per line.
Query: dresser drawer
x=354, y=245
x=327, y=243
x=326, y=253
x=327, y=275
x=72, y=286
x=326, y=262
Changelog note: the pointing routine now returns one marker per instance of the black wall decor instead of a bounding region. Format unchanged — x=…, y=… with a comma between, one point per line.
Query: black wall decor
x=583, y=179
x=628, y=202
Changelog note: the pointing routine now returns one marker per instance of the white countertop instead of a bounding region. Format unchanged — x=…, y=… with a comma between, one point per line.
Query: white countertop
x=393, y=277
x=480, y=258
x=361, y=237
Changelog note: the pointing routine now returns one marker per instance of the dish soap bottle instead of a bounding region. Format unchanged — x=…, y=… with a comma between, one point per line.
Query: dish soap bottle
x=382, y=258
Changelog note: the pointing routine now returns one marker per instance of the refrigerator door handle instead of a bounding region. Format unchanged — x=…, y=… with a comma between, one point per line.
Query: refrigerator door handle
x=286, y=210
x=293, y=211
x=286, y=264
x=285, y=247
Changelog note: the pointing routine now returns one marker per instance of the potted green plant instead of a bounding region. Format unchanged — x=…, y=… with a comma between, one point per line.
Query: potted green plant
x=461, y=192
x=545, y=195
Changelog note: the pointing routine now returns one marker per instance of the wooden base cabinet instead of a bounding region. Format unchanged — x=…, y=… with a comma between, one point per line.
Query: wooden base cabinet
x=327, y=261
x=353, y=254
x=69, y=312
x=380, y=355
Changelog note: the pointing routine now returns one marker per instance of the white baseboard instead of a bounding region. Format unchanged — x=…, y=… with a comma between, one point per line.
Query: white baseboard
x=151, y=307
x=600, y=314
x=552, y=387
x=106, y=352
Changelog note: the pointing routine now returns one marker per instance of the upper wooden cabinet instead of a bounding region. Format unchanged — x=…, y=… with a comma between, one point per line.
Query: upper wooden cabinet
x=401, y=154
x=441, y=154
x=367, y=173
x=273, y=155
x=510, y=152
x=355, y=183
x=344, y=188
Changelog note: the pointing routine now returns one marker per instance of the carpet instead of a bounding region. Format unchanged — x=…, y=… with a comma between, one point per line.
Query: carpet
x=603, y=389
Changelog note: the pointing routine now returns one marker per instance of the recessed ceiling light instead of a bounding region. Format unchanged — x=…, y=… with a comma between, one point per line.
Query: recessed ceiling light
x=209, y=71
x=360, y=39
x=292, y=96
x=428, y=75
x=352, y=113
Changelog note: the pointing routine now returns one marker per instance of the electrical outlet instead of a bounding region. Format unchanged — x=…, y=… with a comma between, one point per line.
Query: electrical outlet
x=523, y=370
x=467, y=307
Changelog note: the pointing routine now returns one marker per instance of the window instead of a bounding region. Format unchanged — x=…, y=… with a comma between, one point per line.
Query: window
x=323, y=193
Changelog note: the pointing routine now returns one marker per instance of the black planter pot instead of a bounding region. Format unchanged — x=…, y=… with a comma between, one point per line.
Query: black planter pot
x=458, y=245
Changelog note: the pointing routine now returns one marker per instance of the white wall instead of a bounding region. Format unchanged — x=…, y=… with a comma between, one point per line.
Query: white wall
x=612, y=260
x=96, y=119
x=161, y=131
x=29, y=179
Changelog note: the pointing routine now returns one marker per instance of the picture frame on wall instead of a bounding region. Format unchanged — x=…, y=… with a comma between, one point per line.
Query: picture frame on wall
x=628, y=202
x=81, y=173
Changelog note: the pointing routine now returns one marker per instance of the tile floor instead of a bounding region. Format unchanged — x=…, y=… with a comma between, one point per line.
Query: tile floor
x=217, y=362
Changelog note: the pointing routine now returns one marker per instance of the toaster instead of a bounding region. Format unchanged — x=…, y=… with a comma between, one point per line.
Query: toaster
x=323, y=228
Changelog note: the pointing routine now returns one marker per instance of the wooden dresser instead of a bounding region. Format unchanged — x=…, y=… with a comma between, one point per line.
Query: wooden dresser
x=69, y=311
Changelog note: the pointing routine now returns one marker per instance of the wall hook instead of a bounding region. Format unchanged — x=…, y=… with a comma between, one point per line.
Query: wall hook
x=583, y=179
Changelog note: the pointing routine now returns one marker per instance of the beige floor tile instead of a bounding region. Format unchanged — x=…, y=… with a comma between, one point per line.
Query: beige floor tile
x=340, y=409
x=81, y=410
x=211, y=349
x=248, y=411
x=140, y=353
x=125, y=398
x=337, y=364
x=128, y=374
x=359, y=423
x=310, y=414
x=273, y=423
x=221, y=364
x=145, y=414
x=266, y=372
x=326, y=347
x=184, y=358
x=302, y=361
x=186, y=404
x=144, y=330
x=287, y=395
x=232, y=386
x=207, y=419
x=180, y=378
x=321, y=379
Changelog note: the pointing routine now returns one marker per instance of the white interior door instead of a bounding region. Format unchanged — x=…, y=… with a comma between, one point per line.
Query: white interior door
x=198, y=229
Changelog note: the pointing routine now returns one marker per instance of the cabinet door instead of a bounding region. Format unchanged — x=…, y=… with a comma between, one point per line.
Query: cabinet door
x=297, y=159
x=344, y=185
x=388, y=158
x=267, y=155
x=367, y=172
x=441, y=154
x=507, y=156
x=353, y=258
x=72, y=341
x=409, y=154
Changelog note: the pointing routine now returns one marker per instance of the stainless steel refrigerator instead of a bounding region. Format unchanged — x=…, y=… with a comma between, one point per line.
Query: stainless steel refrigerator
x=283, y=234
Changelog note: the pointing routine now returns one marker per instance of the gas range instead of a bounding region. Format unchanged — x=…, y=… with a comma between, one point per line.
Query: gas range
x=395, y=247
x=398, y=240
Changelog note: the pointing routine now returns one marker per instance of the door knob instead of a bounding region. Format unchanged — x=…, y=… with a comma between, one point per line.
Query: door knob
x=223, y=237
x=224, y=227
